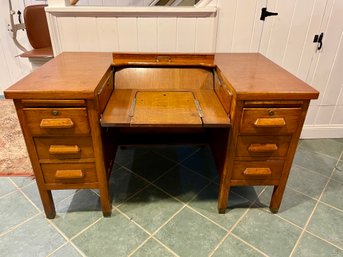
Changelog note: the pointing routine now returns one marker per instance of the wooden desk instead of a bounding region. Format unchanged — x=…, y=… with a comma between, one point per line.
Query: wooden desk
x=252, y=113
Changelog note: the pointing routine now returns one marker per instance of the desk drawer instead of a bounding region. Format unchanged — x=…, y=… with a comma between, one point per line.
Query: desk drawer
x=64, y=148
x=271, y=146
x=270, y=120
x=57, y=121
x=69, y=173
x=269, y=169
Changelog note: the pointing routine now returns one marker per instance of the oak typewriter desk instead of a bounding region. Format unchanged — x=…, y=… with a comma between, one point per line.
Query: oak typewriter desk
x=78, y=108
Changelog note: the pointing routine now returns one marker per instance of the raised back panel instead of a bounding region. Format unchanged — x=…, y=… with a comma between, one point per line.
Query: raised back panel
x=165, y=78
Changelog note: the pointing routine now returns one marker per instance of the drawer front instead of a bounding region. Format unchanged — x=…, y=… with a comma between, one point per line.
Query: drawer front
x=270, y=120
x=70, y=173
x=252, y=170
x=64, y=148
x=271, y=146
x=57, y=121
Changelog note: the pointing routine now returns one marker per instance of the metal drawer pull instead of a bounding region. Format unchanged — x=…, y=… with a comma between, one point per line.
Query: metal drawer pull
x=62, y=123
x=257, y=172
x=270, y=122
x=262, y=148
x=69, y=174
x=64, y=149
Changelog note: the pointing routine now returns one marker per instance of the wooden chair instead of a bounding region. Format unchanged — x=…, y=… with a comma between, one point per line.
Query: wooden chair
x=38, y=35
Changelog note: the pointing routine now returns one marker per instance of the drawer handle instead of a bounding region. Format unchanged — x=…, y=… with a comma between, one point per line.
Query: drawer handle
x=257, y=172
x=262, y=148
x=62, y=123
x=64, y=149
x=69, y=174
x=270, y=123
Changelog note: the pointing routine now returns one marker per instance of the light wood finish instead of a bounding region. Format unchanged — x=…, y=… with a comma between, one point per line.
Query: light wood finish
x=214, y=113
x=262, y=148
x=271, y=146
x=67, y=76
x=235, y=92
x=254, y=77
x=270, y=120
x=61, y=173
x=118, y=108
x=257, y=172
x=170, y=59
x=52, y=103
x=69, y=174
x=257, y=169
x=59, y=121
x=103, y=176
x=64, y=147
x=105, y=92
x=165, y=109
x=172, y=78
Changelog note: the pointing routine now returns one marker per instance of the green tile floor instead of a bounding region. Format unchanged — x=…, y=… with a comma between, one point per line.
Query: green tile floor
x=165, y=204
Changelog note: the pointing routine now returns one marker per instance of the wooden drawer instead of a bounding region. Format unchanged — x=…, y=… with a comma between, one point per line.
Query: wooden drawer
x=273, y=146
x=69, y=173
x=57, y=121
x=270, y=120
x=64, y=148
x=268, y=169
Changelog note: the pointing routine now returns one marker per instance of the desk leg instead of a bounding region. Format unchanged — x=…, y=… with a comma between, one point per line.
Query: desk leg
x=275, y=202
x=48, y=203
x=223, y=198
x=105, y=201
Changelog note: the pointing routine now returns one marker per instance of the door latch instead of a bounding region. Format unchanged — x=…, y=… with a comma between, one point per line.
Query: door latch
x=265, y=13
x=319, y=40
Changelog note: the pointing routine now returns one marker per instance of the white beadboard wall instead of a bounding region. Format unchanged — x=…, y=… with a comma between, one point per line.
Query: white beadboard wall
x=134, y=29
x=287, y=40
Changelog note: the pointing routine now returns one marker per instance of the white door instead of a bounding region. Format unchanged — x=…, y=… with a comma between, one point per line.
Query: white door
x=287, y=39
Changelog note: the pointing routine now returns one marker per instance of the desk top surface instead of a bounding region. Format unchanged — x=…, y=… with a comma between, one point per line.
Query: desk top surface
x=77, y=75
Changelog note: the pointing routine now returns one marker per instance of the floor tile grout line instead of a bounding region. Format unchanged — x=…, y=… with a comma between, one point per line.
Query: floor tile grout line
x=58, y=248
x=139, y=246
x=85, y=229
x=207, y=218
x=30, y=201
x=64, y=244
x=320, y=153
x=33, y=180
x=132, y=220
x=236, y=224
x=312, y=171
x=312, y=213
x=161, y=189
x=331, y=206
x=9, y=193
x=18, y=225
x=69, y=239
x=252, y=246
x=157, y=230
x=316, y=199
x=323, y=239
x=165, y=246
x=195, y=172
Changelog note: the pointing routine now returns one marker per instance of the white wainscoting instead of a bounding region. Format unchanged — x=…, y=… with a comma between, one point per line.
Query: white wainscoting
x=133, y=29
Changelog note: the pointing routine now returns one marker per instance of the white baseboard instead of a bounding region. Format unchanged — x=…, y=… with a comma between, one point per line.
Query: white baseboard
x=322, y=131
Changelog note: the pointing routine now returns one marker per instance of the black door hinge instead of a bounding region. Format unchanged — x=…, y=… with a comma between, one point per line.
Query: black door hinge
x=319, y=40
x=265, y=13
